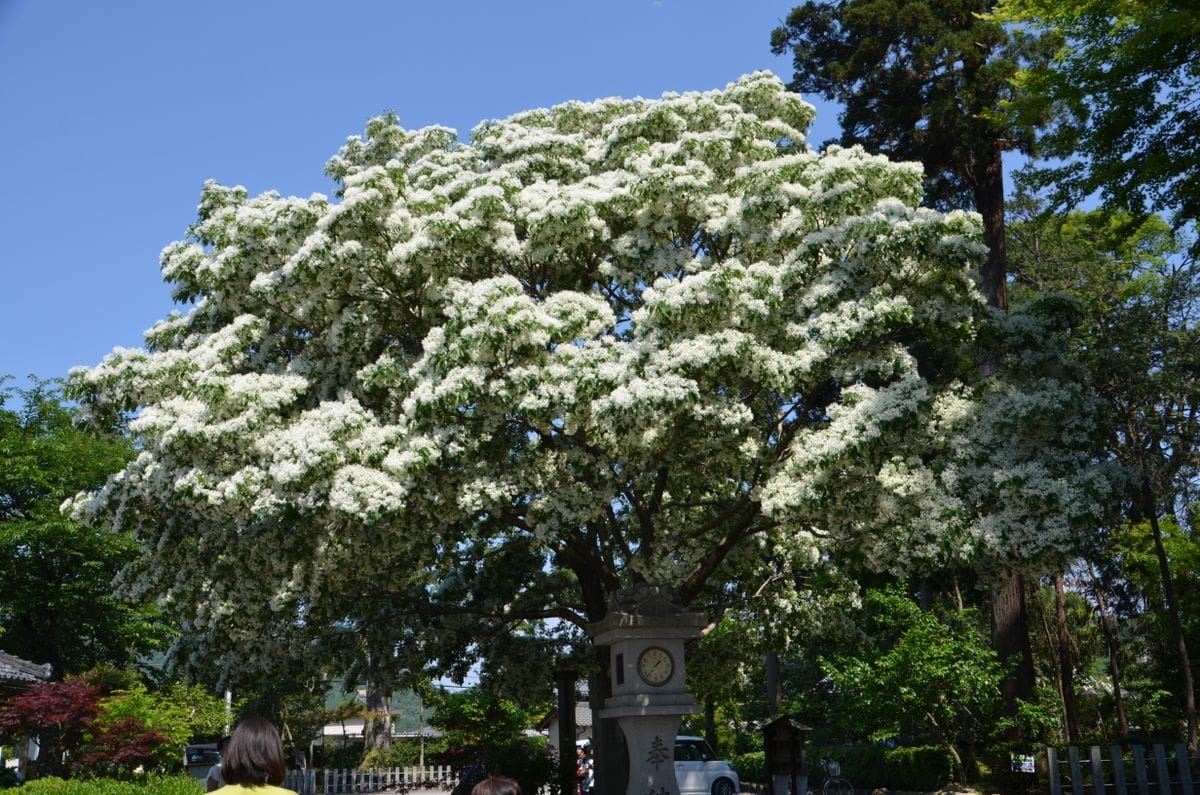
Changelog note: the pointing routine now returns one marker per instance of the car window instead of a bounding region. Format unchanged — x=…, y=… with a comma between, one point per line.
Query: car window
x=693, y=751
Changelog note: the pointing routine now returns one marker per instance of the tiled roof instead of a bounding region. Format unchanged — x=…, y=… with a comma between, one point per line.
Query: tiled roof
x=14, y=670
x=583, y=716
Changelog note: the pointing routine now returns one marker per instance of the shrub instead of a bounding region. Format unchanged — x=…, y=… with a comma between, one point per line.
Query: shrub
x=339, y=757
x=478, y=717
x=118, y=748
x=920, y=768
x=106, y=735
x=915, y=768
x=751, y=766
x=405, y=752
x=528, y=760
x=60, y=713
x=150, y=785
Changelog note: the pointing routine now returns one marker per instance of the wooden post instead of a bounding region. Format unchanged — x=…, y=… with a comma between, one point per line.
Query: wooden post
x=1185, y=769
x=1118, y=763
x=1052, y=767
x=1097, y=771
x=1139, y=770
x=774, y=697
x=1163, y=770
x=566, y=730
x=1076, y=770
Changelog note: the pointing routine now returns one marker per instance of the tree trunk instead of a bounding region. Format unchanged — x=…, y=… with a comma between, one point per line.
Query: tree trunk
x=1010, y=627
x=925, y=594
x=377, y=727
x=1107, y=625
x=1010, y=638
x=959, y=768
x=987, y=180
x=1066, y=666
x=1185, y=664
x=421, y=732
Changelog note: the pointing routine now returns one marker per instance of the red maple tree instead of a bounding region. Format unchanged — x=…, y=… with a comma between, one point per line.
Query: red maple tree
x=67, y=719
x=58, y=714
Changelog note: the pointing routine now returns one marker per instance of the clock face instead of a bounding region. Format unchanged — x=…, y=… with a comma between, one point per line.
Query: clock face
x=655, y=666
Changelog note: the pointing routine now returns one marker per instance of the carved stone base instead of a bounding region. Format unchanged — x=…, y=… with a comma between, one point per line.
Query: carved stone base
x=651, y=743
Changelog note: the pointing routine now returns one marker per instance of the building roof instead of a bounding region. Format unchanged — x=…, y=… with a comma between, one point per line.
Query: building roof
x=583, y=717
x=15, y=671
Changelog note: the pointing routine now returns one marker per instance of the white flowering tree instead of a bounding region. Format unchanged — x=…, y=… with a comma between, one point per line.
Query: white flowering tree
x=613, y=342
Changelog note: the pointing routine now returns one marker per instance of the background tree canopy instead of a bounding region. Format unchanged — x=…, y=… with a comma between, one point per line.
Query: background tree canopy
x=1124, y=89
x=57, y=604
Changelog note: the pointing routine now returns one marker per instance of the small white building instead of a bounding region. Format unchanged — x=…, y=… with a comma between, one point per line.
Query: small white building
x=548, y=726
x=17, y=674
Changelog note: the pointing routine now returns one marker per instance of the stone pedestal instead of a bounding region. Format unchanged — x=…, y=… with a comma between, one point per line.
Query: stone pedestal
x=645, y=633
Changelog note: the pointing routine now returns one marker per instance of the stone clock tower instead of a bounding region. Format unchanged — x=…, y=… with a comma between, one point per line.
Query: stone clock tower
x=644, y=633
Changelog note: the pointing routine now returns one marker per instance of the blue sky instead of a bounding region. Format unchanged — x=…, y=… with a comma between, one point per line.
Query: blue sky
x=114, y=113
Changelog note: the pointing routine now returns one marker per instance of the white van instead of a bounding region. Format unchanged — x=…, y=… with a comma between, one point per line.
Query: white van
x=699, y=772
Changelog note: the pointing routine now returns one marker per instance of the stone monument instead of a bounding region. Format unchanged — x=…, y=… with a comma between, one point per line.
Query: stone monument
x=645, y=633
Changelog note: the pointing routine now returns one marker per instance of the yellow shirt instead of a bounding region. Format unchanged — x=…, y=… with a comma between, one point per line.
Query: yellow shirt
x=246, y=789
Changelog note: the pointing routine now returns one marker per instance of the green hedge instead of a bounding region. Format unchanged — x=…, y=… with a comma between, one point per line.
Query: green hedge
x=925, y=768
x=150, y=785
x=918, y=768
x=751, y=766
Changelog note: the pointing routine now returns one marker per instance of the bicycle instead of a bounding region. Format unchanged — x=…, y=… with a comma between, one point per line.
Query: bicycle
x=834, y=784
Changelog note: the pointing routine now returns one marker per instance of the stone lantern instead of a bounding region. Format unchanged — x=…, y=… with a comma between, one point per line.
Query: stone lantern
x=645, y=633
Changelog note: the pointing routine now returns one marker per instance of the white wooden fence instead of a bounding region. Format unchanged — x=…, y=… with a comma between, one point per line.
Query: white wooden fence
x=379, y=779
x=1162, y=771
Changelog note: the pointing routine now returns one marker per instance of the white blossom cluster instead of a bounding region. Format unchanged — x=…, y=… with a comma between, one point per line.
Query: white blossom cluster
x=647, y=332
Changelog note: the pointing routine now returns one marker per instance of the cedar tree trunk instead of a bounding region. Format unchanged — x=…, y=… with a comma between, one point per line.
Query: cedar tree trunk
x=1185, y=664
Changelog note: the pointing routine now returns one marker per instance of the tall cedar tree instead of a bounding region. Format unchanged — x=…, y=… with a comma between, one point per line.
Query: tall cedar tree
x=929, y=81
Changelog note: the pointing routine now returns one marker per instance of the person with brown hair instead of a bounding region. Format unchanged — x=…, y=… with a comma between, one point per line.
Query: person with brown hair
x=497, y=785
x=253, y=761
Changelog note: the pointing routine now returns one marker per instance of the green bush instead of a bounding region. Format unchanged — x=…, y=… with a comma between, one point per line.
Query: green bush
x=405, y=752
x=751, y=767
x=528, y=760
x=862, y=765
x=996, y=763
x=916, y=768
x=921, y=768
x=150, y=785
x=339, y=757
